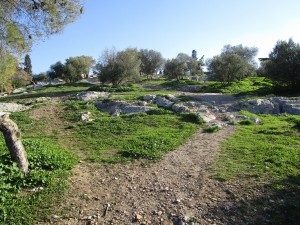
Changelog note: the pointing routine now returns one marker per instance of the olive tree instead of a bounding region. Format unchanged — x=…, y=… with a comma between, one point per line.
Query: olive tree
x=234, y=63
x=283, y=66
x=118, y=67
x=77, y=68
x=174, y=69
x=151, y=61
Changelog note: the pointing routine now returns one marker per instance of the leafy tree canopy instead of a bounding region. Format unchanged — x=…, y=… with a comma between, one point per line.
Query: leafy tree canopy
x=118, y=67
x=151, y=61
x=77, y=67
x=234, y=63
x=23, y=21
x=283, y=65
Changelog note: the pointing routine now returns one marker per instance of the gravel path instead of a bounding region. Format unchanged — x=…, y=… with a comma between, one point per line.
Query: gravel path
x=169, y=191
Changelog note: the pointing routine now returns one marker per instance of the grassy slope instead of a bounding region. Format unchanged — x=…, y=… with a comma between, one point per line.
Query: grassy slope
x=267, y=151
x=268, y=154
x=109, y=139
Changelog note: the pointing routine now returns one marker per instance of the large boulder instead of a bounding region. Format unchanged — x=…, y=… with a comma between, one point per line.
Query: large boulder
x=288, y=105
x=260, y=106
x=179, y=108
x=116, y=108
x=13, y=107
x=163, y=102
x=91, y=95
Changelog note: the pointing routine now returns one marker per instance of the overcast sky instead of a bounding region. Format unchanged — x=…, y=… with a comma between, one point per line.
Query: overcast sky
x=171, y=27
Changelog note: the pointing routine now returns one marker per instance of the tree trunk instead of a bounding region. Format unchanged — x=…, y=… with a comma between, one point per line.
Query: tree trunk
x=12, y=137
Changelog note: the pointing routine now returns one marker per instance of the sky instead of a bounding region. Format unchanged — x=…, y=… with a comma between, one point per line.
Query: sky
x=171, y=27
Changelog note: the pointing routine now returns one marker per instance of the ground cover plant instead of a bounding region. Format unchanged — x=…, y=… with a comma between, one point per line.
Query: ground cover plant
x=248, y=86
x=29, y=197
x=119, y=139
x=269, y=153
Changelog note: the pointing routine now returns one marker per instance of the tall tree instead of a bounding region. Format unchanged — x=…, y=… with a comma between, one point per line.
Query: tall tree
x=283, y=65
x=151, y=61
x=27, y=65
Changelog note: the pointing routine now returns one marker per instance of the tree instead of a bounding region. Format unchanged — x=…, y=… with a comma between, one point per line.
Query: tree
x=12, y=137
x=27, y=65
x=24, y=21
x=8, y=67
x=56, y=70
x=194, y=54
x=234, y=63
x=21, y=78
x=174, y=69
x=283, y=65
x=248, y=54
x=227, y=67
x=151, y=61
x=118, y=67
x=77, y=67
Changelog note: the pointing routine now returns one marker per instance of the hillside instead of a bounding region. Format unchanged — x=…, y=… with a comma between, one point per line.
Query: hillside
x=153, y=153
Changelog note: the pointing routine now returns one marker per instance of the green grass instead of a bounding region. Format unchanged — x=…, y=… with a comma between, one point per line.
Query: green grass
x=119, y=139
x=48, y=168
x=265, y=157
x=211, y=129
x=270, y=150
x=49, y=163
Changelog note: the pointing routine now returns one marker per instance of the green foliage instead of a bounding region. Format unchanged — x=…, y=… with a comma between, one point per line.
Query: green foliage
x=27, y=65
x=211, y=129
x=8, y=67
x=192, y=118
x=174, y=69
x=57, y=70
x=122, y=88
x=26, y=21
x=131, y=136
x=75, y=67
x=246, y=122
x=181, y=83
x=48, y=163
x=234, y=63
x=283, y=65
x=270, y=150
x=118, y=67
x=151, y=61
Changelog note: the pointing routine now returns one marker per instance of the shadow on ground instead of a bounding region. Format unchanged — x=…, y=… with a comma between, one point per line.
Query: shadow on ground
x=272, y=206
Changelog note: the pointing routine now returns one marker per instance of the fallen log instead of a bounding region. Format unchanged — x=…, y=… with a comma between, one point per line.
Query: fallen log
x=12, y=137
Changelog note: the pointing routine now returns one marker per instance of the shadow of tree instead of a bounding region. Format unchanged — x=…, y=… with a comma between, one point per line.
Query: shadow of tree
x=276, y=206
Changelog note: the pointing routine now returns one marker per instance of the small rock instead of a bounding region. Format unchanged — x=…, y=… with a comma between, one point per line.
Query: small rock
x=138, y=217
x=55, y=217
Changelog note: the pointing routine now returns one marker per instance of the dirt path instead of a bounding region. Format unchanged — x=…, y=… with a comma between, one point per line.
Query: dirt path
x=165, y=192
